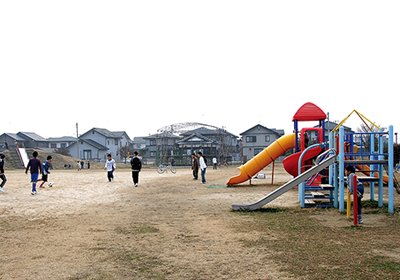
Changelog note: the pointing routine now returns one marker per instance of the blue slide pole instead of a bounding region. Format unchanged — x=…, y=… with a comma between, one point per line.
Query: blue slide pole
x=341, y=169
x=391, y=174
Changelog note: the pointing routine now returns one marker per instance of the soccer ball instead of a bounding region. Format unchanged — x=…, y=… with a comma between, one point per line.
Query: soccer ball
x=50, y=185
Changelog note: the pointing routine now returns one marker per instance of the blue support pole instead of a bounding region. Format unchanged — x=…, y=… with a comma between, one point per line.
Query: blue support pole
x=381, y=157
x=331, y=166
x=333, y=171
x=373, y=167
x=336, y=187
x=341, y=169
x=391, y=174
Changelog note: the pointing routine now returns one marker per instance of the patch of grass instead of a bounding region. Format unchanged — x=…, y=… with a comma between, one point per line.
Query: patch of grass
x=89, y=275
x=136, y=230
x=136, y=265
x=384, y=265
x=309, y=250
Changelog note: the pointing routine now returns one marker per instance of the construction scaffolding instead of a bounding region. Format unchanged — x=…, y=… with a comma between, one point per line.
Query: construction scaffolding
x=175, y=143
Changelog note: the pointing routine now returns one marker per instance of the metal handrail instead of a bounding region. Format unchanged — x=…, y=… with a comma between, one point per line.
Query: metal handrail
x=326, y=152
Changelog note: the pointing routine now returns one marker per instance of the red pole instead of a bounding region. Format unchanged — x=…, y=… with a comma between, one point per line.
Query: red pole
x=355, y=200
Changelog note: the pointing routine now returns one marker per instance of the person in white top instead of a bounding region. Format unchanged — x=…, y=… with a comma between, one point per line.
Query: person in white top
x=214, y=163
x=110, y=167
x=203, y=167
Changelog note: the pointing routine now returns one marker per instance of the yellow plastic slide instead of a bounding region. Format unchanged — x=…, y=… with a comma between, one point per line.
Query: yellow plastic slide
x=260, y=161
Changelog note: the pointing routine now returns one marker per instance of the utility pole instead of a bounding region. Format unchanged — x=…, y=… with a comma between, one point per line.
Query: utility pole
x=77, y=141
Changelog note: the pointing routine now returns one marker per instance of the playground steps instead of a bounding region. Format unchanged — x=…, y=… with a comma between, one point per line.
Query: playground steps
x=326, y=187
x=317, y=196
x=15, y=160
x=309, y=202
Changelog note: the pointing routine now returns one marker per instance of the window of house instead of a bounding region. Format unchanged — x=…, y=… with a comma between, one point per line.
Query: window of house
x=63, y=145
x=251, y=139
x=267, y=139
x=153, y=154
x=53, y=145
x=152, y=142
x=257, y=151
x=108, y=142
x=116, y=142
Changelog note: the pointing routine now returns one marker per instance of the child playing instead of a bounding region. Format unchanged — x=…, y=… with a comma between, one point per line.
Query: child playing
x=2, y=176
x=136, y=165
x=36, y=168
x=110, y=167
x=350, y=173
x=45, y=171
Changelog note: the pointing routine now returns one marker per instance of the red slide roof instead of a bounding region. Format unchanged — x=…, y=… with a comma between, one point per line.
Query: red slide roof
x=309, y=112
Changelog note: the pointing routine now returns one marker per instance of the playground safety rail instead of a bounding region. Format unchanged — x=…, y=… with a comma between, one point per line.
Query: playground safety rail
x=302, y=185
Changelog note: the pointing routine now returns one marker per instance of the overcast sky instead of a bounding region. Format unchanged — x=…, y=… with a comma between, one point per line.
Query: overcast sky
x=141, y=65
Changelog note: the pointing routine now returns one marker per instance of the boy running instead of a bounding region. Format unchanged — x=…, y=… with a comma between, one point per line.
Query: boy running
x=110, y=167
x=2, y=176
x=36, y=168
x=45, y=171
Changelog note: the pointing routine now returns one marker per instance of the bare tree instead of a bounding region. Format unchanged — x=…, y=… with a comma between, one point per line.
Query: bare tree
x=62, y=151
x=365, y=139
x=124, y=151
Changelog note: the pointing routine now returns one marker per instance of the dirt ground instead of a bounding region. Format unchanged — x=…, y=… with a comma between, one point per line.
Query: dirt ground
x=170, y=227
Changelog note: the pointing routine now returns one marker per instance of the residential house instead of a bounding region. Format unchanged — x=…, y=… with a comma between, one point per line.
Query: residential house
x=257, y=138
x=139, y=143
x=160, y=147
x=167, y=146
x=60, y=142
x=329, y=126
x=212, y=143
x=96, y=143
x=11, y=140
x=34, y=140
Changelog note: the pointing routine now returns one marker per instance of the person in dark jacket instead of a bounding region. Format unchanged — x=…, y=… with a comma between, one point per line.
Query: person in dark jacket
x=195, y=167
x=35, y=166
x=45, y=171
x=2, y=176
x=136, y=164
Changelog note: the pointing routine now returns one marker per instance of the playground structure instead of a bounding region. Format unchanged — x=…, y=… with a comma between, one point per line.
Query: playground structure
x=319, y=160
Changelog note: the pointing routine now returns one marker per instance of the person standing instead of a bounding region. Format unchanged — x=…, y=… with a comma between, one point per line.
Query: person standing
x=45, y=171
x=2, y=175
x=136, y=165
x=214, y=163
x=195, y=167
x=203, y=167
x=35, y=166
x=110, y=167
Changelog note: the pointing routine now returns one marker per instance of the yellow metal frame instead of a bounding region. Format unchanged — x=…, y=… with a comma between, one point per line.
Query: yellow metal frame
x=362, y=117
